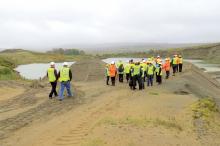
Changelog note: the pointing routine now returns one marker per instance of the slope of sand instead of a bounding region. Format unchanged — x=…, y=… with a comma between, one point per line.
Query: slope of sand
x=113, y=116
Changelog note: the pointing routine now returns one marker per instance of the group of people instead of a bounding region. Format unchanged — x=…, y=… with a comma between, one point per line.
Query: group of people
x=143, y=71
x=64, y=76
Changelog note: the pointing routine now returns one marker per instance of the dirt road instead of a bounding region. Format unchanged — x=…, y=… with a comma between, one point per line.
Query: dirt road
x=104, y=115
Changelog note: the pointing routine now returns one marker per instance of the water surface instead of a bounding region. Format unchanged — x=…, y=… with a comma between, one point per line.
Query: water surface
x=36, y=71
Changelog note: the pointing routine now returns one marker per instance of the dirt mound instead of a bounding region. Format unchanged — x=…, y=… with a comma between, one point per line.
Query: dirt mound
x=88, y=70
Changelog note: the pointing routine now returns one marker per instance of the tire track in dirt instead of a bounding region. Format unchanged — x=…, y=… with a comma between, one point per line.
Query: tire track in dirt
x=43, y=111
x=77, y=134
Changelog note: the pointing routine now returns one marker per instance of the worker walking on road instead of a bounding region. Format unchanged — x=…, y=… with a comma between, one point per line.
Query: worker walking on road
x=112, y=72
x=52, y=77
x=150, y=73
x=136, y=76
x=180, y=63
x=121, y=72
x=159, y=73
x=127, y=71
x=174, y=64
x=166, y=67
x=107, y=74
x=142, y=77
x=65, y=76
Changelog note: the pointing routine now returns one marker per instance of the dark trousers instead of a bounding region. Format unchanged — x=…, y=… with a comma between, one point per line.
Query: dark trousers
x=120, y=77
x=167, y=74
x=53, y=89
x=180, y=67
x=159, y=79
x=174, y=69
x=142, y=82
x=113, y=81
x=127, y=77
x=150, y=80
x=107, y=80
x=136, y=79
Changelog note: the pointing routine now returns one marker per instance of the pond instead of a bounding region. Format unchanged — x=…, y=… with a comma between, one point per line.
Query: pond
x=36, y=71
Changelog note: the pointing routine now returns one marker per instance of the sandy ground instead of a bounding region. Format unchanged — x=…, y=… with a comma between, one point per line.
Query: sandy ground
x=104, y=115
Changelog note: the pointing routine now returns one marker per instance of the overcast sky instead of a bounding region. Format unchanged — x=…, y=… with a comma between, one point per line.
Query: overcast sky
x=51, y=23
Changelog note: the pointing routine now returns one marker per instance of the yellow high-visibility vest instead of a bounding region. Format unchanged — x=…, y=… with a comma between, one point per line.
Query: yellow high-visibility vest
x=51, y=75
x=64, y=74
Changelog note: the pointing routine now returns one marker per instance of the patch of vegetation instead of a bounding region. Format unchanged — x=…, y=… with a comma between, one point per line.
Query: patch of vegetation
x=153, y=93
x=140, y=122
x=67, y=51
x=204, y=108
x=167, y=124
x=94, y=142
x=7, y=73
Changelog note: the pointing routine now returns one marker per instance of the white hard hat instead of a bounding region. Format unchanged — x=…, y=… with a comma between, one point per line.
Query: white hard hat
x=158, y=56
x=112, y=62
x=144, y=61
x=65, y=64
x=52, y=63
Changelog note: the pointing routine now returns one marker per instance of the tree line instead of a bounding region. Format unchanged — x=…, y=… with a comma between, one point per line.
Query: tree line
x=66, y=51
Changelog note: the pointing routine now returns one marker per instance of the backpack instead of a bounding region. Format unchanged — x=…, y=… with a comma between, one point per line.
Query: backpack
x=121, y=68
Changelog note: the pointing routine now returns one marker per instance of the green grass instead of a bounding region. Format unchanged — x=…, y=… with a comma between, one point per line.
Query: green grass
x=94, y=142
x=140, y=122
x=7, y=73
x=204, y=108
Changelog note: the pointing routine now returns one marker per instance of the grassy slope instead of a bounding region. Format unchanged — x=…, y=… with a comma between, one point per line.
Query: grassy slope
x=209, y=53
x=10, y=59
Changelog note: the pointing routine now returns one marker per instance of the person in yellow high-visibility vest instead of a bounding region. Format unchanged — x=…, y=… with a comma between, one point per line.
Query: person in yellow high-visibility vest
x=180, y=63
x=52, y=77
x=65, y=76
x=127, y=70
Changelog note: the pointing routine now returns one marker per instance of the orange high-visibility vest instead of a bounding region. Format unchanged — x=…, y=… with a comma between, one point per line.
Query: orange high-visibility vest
x=112, y=70
x=166, y=66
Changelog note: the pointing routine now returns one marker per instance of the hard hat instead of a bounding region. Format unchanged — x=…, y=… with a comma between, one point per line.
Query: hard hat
x=52, y=63
x=166, y=59
x=180, y=55
x=65, y=64
x=144, y=61
x=158, y=56
x=112, y=62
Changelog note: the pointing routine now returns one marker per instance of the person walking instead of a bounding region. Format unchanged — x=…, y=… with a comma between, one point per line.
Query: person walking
x=142, y=77
x=112, y=72
x=65, y=76
x=121, y=73
x=166, y=67
x=127, y=71
x=52, y=77
x=159, y=73
x=174, y=64
x=107, y=74
x=136, y=76
x=150, y=73
x=180, y=63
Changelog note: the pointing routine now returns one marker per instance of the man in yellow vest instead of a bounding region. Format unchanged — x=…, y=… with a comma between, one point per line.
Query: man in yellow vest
x=52, y=77
x=107, y=74
x=65, y=76
x=150, y=73
x=127, y=70
x=159, y=73
x=174, y=64
x=180, y=63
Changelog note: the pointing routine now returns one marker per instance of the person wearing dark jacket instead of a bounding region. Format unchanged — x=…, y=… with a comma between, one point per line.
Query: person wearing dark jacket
x=65, y=76
x=52, y=77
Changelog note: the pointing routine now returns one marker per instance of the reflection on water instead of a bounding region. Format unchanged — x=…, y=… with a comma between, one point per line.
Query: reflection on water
x=206, y=67
x=36, y=70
